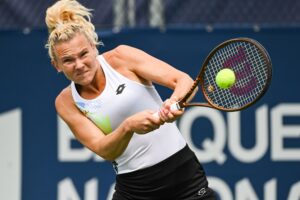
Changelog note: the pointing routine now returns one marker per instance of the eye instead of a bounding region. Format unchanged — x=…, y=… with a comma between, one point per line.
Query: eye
x=68, y=60
x=83, y=53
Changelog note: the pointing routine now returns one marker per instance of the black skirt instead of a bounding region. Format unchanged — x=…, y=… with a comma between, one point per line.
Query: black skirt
x=179, y=177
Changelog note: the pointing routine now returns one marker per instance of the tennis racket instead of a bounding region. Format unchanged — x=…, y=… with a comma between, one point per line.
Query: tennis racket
x=253, y=71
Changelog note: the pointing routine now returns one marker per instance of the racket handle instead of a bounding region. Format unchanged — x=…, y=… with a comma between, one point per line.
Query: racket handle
x=173, y=107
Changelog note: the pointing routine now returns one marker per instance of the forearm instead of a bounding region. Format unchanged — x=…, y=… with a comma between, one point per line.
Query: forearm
x=115, y=143
x=181, y=87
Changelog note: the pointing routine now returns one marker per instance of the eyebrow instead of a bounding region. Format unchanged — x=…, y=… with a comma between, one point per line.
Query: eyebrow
x=66, y=57
x=71, y=56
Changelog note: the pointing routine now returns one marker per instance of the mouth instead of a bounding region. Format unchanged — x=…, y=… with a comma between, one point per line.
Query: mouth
x=81, y=74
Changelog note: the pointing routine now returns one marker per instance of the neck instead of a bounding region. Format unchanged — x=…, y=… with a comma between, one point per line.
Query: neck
x=95, y=88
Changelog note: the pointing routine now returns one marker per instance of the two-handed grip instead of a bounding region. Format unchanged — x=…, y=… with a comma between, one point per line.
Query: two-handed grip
x=173, y=107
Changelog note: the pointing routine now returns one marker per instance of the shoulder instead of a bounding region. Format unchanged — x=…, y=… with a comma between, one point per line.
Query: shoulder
x=63, y=96
x=123, y=53
x=120, y=50
x=130, y=62
x=123, y=50
x=64, y=103
x=121, y=58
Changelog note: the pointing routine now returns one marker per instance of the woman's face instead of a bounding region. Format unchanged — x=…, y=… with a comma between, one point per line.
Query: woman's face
x=76, y=58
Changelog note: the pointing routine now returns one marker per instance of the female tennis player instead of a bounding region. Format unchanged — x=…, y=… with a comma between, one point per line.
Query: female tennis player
x=109, y=107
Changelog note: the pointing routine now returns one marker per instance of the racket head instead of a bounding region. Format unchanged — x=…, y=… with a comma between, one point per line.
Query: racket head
x=253, y=69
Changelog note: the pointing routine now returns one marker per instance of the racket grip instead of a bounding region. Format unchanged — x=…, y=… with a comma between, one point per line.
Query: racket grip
x=173, y=107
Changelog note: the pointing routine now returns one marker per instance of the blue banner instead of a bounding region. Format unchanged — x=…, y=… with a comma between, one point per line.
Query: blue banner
x=253, y=154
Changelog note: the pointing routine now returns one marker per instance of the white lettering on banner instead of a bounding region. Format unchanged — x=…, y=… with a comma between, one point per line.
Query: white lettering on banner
x=261, y=134
x=68, y=154
x=11, y=154
x=67, y=190
x=295, y=192
x=220, y=187
x=213, y=149
x=280, y=131
x=111, y=192
x=270, y=189
x=244, y=190
x=91, y=190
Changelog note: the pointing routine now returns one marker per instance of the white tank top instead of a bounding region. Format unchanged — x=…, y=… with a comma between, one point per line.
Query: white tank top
x=120, y=99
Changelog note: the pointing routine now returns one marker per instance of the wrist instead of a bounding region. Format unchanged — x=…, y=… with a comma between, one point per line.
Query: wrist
x=174, y=98
x=127, y=127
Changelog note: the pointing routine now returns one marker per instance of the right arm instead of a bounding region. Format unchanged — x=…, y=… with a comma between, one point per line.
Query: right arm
x=108, y=146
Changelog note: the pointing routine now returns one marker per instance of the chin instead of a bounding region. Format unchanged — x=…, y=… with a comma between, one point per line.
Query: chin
x=83, y=82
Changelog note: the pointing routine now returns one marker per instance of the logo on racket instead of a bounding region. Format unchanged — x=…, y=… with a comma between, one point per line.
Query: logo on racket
x=242, y=74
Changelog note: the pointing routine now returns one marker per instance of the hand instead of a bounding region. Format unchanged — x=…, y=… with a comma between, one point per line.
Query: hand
x=168, y=115
x=144, y=122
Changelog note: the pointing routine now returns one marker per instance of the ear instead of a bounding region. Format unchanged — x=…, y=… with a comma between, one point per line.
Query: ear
x=56, y=66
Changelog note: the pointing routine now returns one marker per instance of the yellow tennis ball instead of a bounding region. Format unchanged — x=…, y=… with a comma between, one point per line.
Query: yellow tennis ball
x=225, y=78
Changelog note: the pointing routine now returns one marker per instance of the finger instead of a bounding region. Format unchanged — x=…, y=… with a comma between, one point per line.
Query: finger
x=164, y=114
x=157, y=118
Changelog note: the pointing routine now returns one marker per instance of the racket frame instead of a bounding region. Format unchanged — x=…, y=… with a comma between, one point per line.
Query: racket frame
x=199, y=79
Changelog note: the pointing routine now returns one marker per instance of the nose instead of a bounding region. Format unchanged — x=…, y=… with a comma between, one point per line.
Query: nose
x=79, y=64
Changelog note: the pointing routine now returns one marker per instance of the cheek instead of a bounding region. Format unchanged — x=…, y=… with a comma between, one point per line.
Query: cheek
x=67, y=71
x=91, y=63
x=68, y=75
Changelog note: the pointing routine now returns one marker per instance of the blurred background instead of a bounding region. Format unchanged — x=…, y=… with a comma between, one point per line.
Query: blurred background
x=40, y=159
x=19, y=14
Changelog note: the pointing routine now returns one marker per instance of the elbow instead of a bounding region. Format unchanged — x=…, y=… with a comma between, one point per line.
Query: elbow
x=189, y=79
x=102, y=150
x=106, y=154
x=186, y=79
x=181, y=79
x=108, y=157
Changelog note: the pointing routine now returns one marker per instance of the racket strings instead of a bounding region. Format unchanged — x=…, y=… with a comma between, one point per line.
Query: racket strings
x=250, y=67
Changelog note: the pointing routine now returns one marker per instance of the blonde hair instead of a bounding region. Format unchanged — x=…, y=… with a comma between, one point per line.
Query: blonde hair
x=64, y=20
